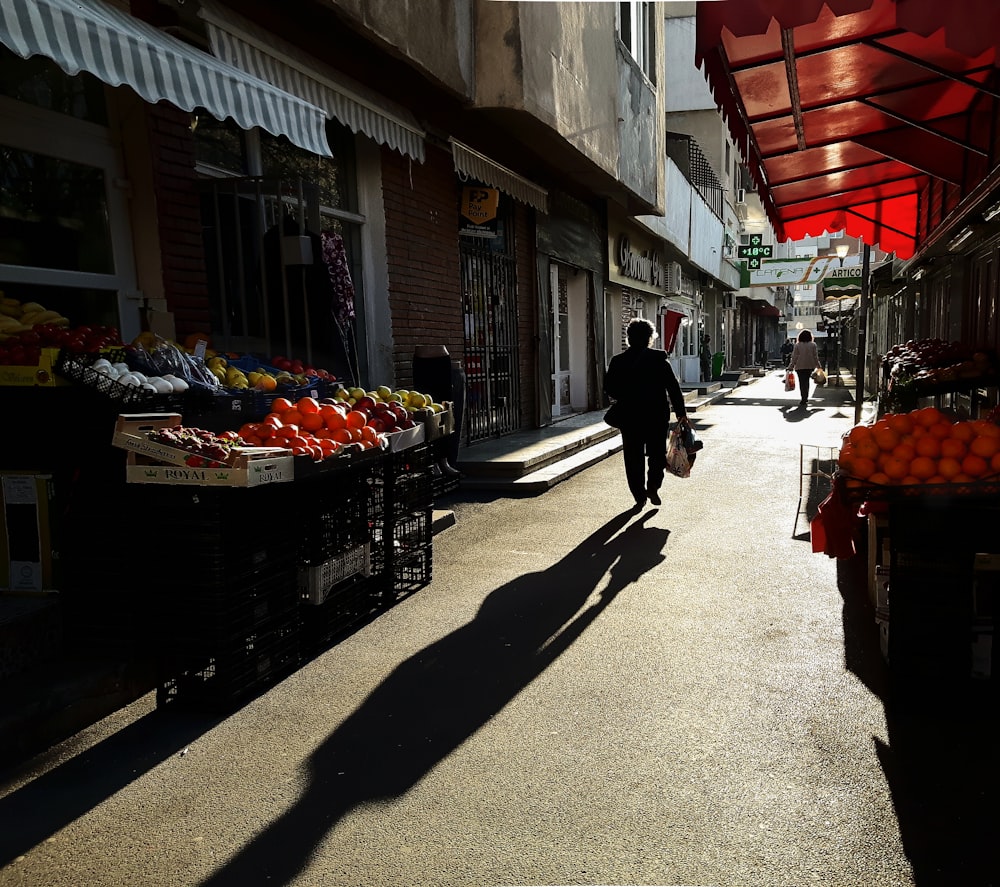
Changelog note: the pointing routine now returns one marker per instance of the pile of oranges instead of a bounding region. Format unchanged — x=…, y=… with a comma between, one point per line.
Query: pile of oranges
x=310, y=428
x=924, y=446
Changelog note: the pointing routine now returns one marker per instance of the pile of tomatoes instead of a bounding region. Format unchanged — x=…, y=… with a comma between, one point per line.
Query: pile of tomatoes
x=924, y=446
x=310, y=428
x=25, y=348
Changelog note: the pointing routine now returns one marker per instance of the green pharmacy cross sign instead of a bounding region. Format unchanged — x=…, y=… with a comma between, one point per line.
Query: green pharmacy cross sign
x=754, y=251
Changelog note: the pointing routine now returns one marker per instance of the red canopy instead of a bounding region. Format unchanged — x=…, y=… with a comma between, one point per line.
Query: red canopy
x=854, y=114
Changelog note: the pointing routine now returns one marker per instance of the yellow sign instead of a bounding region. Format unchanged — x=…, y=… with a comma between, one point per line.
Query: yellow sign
x=479, y=205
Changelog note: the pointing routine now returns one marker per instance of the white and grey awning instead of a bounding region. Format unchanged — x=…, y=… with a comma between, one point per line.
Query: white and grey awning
x=469, y=162
x=93, y=36
x=243, y=44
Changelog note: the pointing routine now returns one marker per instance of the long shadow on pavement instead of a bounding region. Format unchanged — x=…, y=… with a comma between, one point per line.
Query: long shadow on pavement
x=940, y=760
x=437, y=698
x=43, y=806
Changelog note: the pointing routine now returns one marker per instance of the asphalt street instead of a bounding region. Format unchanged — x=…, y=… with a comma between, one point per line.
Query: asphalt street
x=584, y=694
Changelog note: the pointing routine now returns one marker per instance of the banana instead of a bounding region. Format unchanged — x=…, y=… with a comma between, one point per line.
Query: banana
x=44, y=317
x=10, y=310
x=9, y=300
x=6, y=321
x=31, y=307
x=61, y=322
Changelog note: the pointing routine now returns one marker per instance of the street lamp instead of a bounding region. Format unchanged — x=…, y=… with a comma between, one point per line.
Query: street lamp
x=842, y=249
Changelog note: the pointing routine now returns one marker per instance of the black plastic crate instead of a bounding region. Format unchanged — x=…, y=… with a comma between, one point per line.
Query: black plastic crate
x=348, y=606
x=416, y=458
x=401, y=494
x=395, y=539
x=412, y=571
x=335, y=515
x=226, y=676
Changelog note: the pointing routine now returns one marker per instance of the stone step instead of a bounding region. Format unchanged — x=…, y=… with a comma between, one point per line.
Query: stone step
x=549, y=474
x=532, y=456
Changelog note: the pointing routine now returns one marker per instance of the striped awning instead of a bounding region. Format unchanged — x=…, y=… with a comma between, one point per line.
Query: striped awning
x=244, y=45
x=93, y=36
x=469, y=162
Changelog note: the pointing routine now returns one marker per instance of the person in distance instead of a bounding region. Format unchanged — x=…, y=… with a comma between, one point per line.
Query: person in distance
x=804, y=359
x=642, y=381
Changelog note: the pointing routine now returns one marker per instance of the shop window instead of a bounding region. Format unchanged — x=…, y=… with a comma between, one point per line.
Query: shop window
x=53, y=213
x=40, y=82
x=64, y=228
x=282, y=247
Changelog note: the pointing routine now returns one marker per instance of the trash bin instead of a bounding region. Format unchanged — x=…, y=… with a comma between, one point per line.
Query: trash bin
x=718, y=361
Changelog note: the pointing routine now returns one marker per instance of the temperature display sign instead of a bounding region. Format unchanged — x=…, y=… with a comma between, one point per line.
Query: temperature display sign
x=754, y=251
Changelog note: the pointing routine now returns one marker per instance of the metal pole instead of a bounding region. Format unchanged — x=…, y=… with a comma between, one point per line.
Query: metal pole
x=859, y=381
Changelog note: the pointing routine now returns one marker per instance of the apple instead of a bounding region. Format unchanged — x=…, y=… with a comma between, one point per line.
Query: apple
x=366, y=403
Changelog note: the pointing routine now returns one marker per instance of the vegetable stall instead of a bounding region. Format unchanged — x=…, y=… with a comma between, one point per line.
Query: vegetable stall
x=918, y=488
x=230, y=515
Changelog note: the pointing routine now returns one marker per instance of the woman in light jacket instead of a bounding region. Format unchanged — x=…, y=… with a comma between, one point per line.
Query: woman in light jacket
x=804, y=359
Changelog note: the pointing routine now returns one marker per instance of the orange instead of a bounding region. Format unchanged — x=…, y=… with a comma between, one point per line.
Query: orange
x=975, y=466
x=356, y=419
x=954, y=448
x=281, y=404
x=369, y=433
x=962, y=478
x=885, y=437
x=332, y=418
x=895, y=468
x=987, y=447
x=867, y=448
x=859, y=433
x=940, y=430
x=291, y=416
x=879, y=478
x=995, y=462
x=899, y=422
x=312, y=422
x=356, y=434
x=937, y=479
x=926, y=416
x=861, y=467
x=904, y=451
x=928, y=446
x=963, y=431
x=306, y=405
x=923, y=467
x=910, y=480
x=287, y=431
x=985, y=428
x=948, y=467
x=342, y=435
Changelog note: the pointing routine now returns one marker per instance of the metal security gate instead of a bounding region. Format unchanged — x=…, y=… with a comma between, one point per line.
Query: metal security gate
x=489, y=303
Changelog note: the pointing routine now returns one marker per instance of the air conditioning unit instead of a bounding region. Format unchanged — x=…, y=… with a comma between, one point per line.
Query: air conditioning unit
x=741, y=196
x=673, y=275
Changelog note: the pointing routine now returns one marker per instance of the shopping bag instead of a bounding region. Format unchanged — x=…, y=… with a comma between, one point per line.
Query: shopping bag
x=789, y=381
x=614, y=415
x=678, y=461
x=819, y=376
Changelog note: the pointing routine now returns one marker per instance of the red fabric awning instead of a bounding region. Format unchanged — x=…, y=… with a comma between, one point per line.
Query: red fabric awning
x=850, y=112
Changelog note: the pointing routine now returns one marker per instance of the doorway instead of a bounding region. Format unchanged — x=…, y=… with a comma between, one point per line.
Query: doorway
x=570, y=326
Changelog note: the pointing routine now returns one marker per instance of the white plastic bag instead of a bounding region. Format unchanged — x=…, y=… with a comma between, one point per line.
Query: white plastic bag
x=678, y=462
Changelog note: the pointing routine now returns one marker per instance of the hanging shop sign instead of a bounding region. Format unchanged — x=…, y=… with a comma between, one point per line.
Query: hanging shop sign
x=635, y=262
x=803, y=271
x=479, y=211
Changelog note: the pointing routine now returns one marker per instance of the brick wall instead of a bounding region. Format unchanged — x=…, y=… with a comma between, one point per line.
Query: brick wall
x=178, y=217
x=421, y=215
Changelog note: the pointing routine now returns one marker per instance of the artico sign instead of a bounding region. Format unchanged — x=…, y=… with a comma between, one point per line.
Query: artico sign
x=644, y=267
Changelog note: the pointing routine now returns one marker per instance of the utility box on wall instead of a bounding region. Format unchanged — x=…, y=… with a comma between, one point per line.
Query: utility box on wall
x=28, y=556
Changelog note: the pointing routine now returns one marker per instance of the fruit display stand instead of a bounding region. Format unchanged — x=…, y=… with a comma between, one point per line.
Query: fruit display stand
x=402, y=528
x=935, y=600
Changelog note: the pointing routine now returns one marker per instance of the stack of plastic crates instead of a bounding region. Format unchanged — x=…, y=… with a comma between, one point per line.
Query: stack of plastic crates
x=338, y=589
x=228, y=616
x=941, y=594
x=402, y=506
